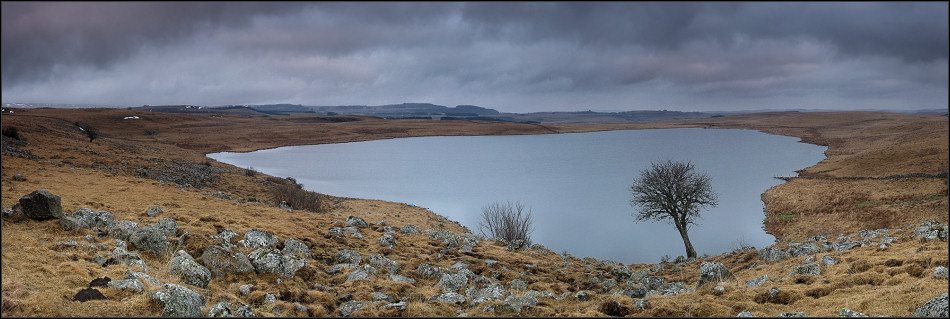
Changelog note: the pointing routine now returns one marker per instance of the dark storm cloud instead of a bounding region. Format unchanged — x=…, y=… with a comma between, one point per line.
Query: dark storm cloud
x=505, y=55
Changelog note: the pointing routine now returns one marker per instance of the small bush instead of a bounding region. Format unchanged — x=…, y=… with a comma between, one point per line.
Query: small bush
x=250, y=172
x=507, y=221
x=298, y=198
x=11, y=132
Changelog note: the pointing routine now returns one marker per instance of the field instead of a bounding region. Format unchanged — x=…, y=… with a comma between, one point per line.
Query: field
x=883, y=171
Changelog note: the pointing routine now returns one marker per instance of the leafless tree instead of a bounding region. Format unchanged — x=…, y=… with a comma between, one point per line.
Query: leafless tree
x=672, y=191
x=508, y=221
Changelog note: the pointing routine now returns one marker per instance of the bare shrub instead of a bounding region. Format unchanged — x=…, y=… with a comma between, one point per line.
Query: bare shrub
x=298, y=198
x=508, y=221
x=250, y=172
x=11, y=132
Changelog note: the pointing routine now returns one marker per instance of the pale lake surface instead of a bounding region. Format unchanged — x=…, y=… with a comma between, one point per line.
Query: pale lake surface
x=577, y=184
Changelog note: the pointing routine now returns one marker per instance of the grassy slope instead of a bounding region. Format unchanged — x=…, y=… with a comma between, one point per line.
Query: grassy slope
x=40, y=278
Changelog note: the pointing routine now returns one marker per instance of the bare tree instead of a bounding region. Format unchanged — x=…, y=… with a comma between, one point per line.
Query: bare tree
x=672, y=191
x=509, y=221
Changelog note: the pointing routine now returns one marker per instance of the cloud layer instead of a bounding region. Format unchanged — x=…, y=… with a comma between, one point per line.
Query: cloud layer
x=517, y=57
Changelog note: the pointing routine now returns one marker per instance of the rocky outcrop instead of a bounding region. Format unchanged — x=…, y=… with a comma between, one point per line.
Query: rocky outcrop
x=255, y=238
x=189, y=270
x=221, y=260
x=41, y=205
x=179, y=301
x=86, y=218
x=293, y=246
x=409, y=229
x=713, y=272
x=122, y=229
x=772, y=254
x=270, y=260
x=936, y=307
x=149, y=239
x=452, y=282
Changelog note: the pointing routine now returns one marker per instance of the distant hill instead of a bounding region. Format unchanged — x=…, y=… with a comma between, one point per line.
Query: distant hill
x=406, y=110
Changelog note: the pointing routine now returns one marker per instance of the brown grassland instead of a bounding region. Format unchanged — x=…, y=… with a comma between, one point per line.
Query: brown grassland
x=120, y=172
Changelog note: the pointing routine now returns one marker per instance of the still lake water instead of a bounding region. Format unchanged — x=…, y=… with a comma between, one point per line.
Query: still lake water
x=576, y=184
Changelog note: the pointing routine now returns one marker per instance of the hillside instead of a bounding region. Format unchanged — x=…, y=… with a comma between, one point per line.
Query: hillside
x=867, y=207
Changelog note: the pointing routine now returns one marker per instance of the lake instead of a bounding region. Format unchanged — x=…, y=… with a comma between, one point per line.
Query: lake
x=577, y=184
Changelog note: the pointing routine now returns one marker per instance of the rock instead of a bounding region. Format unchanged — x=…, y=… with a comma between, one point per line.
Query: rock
x=518, y=284
x=87, y=218
x=928, y=230
x=713, y=272
x=582, y=295
x=809, y=259
x=358, y=236
x=378, y=296
x=757, y=281
x=402, y=305
x=226, y=235
x=179, y=301
x=359, y=274
x=269, y=298
x=255, y=238
x=149, y=239
x=41, y=205
x=348, y=257
x=153, y=211
x=609, y=283
x=168, y=226
x=355, y=222
x=491, y=292
x=845, y=312
x=771, y=254
x=127, y=284
x=87, y=294
x=491, y=263
x=745, y=314
x=409, y=229
x=936, y=307
x=452, y=282
x=428, y=271
x=221, y=260
x=380, y=261
x=772, y=293
x=641, y=304
x=189, y=270
x=449, y=297
x=245, y=289
x=348, y=308
x=295, y=247
x=144, y=278
x=940, y=272
x=844, y=243
x=398, y=278
x=669, y=289
x=245, y=311
x=539, y=294
x=122, y=229
x=338, y=268
x=639, y=275
x=221, y=309
x=800, y=314
x=809, y=270
x=387, y=240
x=516, y=303
x=828, y=261
x=797, y=249
x=517, y=244
x=120, y=256
x=614, y=308
x=270, y=260
x=621, y=272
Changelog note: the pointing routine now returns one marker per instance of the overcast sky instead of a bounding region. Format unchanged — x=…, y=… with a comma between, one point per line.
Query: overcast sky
x=516, y=57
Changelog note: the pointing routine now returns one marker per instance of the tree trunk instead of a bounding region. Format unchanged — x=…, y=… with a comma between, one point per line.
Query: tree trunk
x=690, y=252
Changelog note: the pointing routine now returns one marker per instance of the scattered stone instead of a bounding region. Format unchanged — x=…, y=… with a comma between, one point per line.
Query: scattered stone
x=517, y=303
x=773, y=292
x=713, y=272
x=940, y=271
x=226, y=236
x=639, y=275
x=809, y=270
x=809, y=259
x=380, y=261
x=189, y=270
x=87, y=294
x=929, y=230
x=518, y=284
x=221, y=309
x=828, y=261
x=757, y=281
x=936, y=307
x=402, y=305
x=179, y=301
x=845, y=312
x=800, y=314
x=149, y=239
x=245, y=311
x=348, y=308
x=745, y=314
x=428, y=271
x=295, y=247
x=254, y=238
x=121, y=229
x=348, y=257
x=127, y=284
x=771, y=254
x=355, y=222
x=621, y=272
x=387, y=240
x=120, y=256
x=398, y=278
x=582, y=295
x=517, y=244
x=409, y=229
x=41, y=205
x=359, y=274
x=221, y=260
x=129, y=274
x=378, y=296
x=491, y=263
x=168, y=226
x=153, y=211
x=641, y=304
x=491, y=292
x=844, y=243
x=245, y=289
x=270, y=260
x=452, y=282
x=449, y=297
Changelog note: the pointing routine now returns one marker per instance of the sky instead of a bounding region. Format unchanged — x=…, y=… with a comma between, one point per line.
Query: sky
x=513, y=57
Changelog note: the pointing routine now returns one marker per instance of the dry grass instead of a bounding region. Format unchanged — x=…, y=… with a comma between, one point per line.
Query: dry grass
x=39, y=277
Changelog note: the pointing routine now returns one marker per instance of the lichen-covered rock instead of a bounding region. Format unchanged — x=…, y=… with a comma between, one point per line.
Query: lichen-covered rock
x=167, y=225
x=799, y=314
x=133, y=285
x=270, y=260
x=348, y=308
x=621, y=272
x=641, y=304
x=221, y=260
x=518, y=284
x=179, y=301
x=931, y=230
x=381, y=262
x=940, y=272
x=153, y=211
x=517, y=303
x=755, y=282
x=387, y=240
x=582, y=295
x=347, y=256
x=845, y=312
x=809, y=270
x=41, y=205
x=409, y=229
x=398, y=278
x=355, y=222
x=491, y=292
x=293, y=246
x=122, y=229
x=220, y=310
x=452, y=282
x=936, y=307
x=255, y=238
x=844, y=243
x=745, y=314
x=828, y=260
x=189, y=270
x=87, y=218
x=517, y=244
x=449, y=297
x=639, y=275
x=713, y=272
x=797, y=249
x=149, y=239
x=771, y=254
x=360, y=274
x=428, y=271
